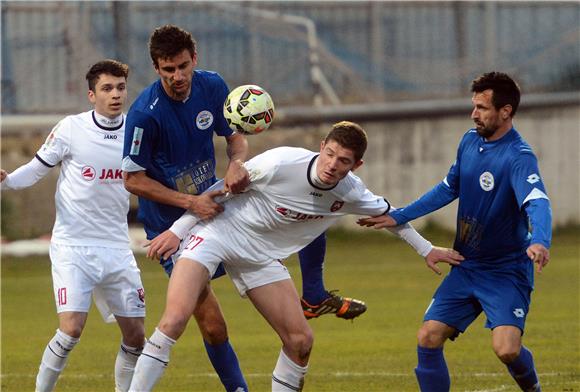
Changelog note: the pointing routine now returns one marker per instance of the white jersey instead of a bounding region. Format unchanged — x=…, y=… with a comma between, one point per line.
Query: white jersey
x=91, y=200
x=283, y=210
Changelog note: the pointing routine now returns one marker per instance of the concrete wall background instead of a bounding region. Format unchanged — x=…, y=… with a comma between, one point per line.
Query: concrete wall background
x=406, y=157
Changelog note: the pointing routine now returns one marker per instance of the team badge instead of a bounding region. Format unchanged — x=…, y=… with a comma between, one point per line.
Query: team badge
x=486, y=181
x=141, y=293
x=88, y=173
x=204, y=120
x=337, y=205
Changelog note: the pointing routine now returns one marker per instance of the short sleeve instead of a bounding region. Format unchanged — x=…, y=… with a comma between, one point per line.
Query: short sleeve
x=57, y=145
x=262, y=168
x=141, y=137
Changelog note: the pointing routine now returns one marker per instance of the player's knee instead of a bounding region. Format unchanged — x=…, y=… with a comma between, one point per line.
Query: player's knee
x=506, y=353
x=300, y=342
x=174, y=325
x=214, y=332
x=429, y=338
x=135, y=337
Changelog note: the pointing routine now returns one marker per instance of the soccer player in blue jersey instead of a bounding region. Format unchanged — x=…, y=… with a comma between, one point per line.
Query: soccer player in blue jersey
x=501, y=197
x=169, y=160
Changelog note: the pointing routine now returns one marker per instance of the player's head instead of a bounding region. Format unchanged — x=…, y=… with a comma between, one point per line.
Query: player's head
x=174, y=56
x=341, y=151
x=107, y=81
x=496, y=98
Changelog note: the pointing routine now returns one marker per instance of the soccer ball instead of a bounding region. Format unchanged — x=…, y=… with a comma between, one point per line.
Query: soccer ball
x=249, y=109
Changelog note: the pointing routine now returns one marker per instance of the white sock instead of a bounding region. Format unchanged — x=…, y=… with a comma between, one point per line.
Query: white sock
x=152, y=362
x=288, y=376
x=125, y=366
x=54, y=360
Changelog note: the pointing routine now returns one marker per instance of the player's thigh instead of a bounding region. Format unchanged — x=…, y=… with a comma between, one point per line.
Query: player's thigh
x=279, y=304
x=453, y=303
x=188, y=280
x=74, y=277
x=120, y=291
x=505, y=295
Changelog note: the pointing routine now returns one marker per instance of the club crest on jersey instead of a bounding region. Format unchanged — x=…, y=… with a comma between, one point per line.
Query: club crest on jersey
x=486, y=181
x=88, y=173
x=204, y=120
x=337, y=205
x=141, y=293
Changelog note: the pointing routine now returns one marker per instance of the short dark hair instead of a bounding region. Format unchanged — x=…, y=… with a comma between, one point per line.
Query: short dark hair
x=349, y=135
x=110, y=67
x=169, y=41
x=505, y=90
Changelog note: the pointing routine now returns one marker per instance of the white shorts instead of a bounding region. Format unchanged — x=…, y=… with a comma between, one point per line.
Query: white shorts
x=111, y=275
x=206, y=248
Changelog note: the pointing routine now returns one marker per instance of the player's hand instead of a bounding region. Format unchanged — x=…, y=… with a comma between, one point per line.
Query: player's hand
x=539, y=254
x=163, y=246
x=378, y=222
x=204, y=206
x=237, y=177
x=3, y=175
x=446, y=255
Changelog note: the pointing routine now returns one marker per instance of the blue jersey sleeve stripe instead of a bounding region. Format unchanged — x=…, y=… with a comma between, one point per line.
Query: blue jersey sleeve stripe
x=535, y=194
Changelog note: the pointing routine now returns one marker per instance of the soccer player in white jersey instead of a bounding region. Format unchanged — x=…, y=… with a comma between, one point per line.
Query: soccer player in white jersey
x=294, y=196
x=89, y=248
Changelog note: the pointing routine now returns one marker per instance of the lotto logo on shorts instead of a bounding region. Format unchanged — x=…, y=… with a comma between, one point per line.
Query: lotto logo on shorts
x=62, y=296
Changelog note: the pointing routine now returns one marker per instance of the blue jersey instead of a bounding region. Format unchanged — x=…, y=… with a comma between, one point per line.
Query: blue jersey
x=494, y=182
x=173, y=142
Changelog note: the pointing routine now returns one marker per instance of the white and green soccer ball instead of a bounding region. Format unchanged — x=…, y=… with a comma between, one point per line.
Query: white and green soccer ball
x=249, y=109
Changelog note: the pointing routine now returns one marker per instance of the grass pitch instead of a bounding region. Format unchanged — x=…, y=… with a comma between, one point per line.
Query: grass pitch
x=375, y=352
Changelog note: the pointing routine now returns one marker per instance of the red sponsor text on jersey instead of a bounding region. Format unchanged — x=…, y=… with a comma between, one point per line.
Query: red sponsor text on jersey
x=111, y=174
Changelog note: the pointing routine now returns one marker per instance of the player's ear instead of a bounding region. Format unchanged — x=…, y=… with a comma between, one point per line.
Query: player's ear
x=506, y=111
x=194, y=59
x=358, y=164
x=91, y=96
x=322, y=144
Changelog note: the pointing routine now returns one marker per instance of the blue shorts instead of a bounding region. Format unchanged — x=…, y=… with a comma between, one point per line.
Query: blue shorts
x=502, y=292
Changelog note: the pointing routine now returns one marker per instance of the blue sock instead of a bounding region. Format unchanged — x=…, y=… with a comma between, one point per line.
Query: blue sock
x=311, y=263
x=225, y=362
x=431, y=371
x=523, y=371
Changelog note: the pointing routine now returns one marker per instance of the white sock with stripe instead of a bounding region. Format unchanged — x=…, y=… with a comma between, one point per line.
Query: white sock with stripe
x=152, y=362
x=54, y=360
x=288, y=376
x=125, y=366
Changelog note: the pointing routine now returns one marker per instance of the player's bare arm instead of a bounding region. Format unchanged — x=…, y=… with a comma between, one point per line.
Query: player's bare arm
x=377, y=222
x=142, y=185
x=446, y=255
x=237, y=177
x=539, y=254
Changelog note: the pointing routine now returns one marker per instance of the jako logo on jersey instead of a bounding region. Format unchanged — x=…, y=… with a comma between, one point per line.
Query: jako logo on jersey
x=295, y=215
x=111, y=174
x=110, y=136
x=519, y=312
x=316, y=194
x=337, y=205
x=204, y=119
x=486, y=181
x=533, y=178
x=88, y=173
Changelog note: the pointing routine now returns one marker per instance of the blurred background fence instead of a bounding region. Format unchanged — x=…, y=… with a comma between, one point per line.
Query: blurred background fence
x=402, y=69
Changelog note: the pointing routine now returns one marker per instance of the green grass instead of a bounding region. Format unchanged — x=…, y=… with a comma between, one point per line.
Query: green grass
x=374, y=353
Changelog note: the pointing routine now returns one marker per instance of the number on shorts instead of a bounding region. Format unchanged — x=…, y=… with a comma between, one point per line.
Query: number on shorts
x=62, y=296
x=193, y=242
